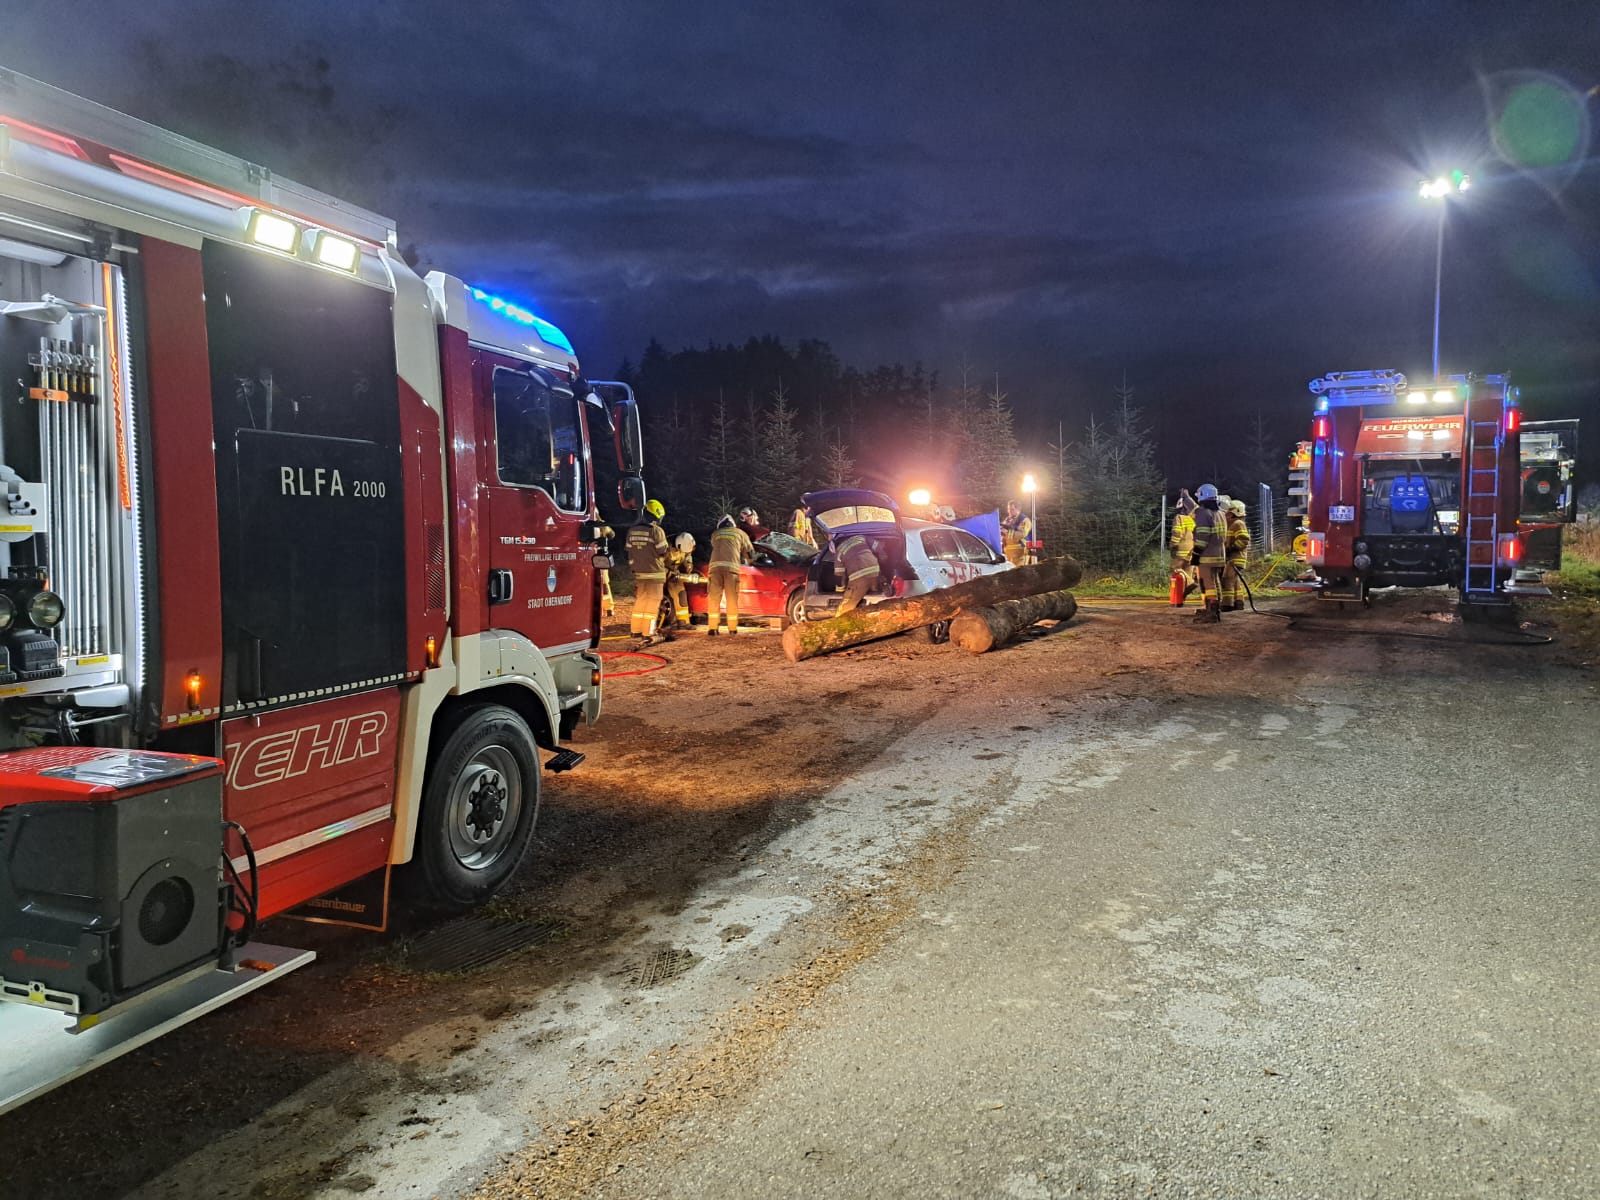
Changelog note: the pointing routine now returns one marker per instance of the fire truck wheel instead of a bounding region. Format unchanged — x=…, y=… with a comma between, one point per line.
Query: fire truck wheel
x=478, y=809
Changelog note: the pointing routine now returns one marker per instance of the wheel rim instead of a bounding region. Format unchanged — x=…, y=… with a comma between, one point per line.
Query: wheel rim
x=485, y=804
x=797, y=608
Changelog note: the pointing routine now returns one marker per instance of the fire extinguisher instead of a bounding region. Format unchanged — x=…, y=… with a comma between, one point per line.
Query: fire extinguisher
x=1179, y=588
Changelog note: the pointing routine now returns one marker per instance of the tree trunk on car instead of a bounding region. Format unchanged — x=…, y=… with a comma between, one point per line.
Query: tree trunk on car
x=979, y=630
x=873, y=621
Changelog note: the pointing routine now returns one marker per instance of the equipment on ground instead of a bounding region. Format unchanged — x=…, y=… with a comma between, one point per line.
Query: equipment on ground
x=300, y=575
x=1420, y=485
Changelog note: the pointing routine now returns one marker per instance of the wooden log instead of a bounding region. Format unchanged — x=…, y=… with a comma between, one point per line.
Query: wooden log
x=979, y=630
x=873, y=621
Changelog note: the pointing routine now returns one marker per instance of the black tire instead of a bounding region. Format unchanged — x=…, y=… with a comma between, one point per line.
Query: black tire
x=794, y=608
x=936, y=634
x=479, y=805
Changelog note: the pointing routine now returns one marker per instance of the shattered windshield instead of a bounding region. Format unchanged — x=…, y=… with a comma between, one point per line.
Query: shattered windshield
x=788, y=547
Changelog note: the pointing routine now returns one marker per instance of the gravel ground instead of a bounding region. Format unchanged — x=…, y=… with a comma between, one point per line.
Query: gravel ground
x=1127, y=909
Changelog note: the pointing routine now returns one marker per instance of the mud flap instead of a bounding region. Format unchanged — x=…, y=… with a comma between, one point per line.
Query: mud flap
x=360, y=904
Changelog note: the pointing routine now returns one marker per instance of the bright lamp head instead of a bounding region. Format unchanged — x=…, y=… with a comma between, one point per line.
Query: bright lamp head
x=333, y=251
x=8, y=612
x=272, y=231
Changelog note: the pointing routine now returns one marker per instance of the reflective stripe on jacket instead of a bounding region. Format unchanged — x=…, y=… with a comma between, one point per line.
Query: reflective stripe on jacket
x=857, y=558
x=1238, y=540
x=730, y=547
x=648, y=551
x=1182, y=539
x=1210, y=534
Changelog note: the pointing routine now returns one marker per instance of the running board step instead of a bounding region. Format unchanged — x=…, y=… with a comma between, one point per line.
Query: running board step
x=563, y=760
x=40, y=1050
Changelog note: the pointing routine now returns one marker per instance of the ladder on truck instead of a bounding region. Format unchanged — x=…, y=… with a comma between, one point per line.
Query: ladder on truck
x=1482, y=517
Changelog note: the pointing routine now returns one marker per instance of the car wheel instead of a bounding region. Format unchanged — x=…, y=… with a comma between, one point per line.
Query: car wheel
x=794, y=608
x=479, y=805
x=936, y=634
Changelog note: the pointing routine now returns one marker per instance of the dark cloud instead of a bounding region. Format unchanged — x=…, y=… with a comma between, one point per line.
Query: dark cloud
x=1219, y=197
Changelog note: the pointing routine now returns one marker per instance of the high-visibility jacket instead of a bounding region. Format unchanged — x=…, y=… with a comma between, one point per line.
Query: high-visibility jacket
x=800, y=528
x=857, y=558
x=1238, y=542
x=648, y=551
x=1182, y=540
x=730, y=547
x=1210, y=534
x=1020, y=530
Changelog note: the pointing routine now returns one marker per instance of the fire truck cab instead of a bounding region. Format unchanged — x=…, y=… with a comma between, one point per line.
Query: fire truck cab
x=298, y=574
x=1417, y=486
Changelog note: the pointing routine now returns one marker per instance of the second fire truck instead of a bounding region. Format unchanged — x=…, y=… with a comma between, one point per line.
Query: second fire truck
x=1437, y=484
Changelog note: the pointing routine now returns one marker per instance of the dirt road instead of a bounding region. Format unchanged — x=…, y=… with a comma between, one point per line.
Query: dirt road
x=734, y=901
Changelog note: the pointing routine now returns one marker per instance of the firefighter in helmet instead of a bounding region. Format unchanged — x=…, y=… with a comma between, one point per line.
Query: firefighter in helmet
x=750, y=522
x=680, y=567
x=1016, y=531
x=854, y=558
x=1210, y=552
x=1238, y=558
x=1181, y=543
x=730, y=549
x=648, y=555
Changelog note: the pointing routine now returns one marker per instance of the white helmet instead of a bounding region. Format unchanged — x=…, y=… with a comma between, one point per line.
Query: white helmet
x=684, y=542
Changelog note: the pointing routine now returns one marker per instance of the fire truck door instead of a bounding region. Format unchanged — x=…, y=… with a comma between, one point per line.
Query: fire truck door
x=538, y=490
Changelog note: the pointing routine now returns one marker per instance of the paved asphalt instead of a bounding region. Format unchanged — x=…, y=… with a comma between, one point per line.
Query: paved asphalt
x=1332, y=934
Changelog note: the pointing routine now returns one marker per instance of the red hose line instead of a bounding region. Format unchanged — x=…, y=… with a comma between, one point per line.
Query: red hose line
x=659, y=662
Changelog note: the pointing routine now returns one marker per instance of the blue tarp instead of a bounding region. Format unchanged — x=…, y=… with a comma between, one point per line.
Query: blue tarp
x=986, y=526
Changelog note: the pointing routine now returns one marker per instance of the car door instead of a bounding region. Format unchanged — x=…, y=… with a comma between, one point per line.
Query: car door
x=943, y=564
x=979, y=558
x=538, y=490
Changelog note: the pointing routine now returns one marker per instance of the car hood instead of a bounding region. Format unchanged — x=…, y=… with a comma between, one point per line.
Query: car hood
x=852, y=510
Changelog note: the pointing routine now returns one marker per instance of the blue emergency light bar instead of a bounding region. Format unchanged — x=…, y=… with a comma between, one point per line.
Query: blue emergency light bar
x=522, y=316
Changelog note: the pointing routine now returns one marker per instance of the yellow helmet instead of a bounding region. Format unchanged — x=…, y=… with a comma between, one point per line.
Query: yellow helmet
x=656, y=509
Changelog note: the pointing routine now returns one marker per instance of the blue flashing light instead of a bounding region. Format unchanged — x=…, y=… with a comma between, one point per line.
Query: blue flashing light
x=1322, y=405
x=552, y=335
x=522, y=316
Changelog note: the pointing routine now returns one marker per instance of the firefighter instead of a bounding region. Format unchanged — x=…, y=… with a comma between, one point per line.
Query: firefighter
x=1181, y=543
x=730, y=549
x=750, y=522
x=1238, y=555
x=608, y=602
x=680, y=567
x=648, y=554
x=1210, y=552
x=1016, y=531
x=854, y=558
x=800, y=528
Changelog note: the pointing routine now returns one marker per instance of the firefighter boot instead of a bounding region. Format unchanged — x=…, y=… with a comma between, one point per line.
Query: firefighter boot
x=1209, y=614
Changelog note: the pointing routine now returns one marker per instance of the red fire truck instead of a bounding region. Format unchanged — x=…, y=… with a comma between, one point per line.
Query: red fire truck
x=1418, y=486
x=298, y=577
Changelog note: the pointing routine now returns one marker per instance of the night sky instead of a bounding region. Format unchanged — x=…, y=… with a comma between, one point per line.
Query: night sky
x=1219, y=199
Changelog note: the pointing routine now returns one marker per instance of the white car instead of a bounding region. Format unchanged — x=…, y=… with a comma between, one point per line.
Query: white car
x=917, y=556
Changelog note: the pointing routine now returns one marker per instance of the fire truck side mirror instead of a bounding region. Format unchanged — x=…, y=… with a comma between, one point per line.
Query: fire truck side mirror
x=623, y=412
x=629, y=439
x=630, y=493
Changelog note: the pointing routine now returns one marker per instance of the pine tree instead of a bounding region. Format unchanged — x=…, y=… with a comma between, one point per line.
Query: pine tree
x=712, y=499
x=1115, y=491
x=838, y=468
x=990, y=466
x=779, y=473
